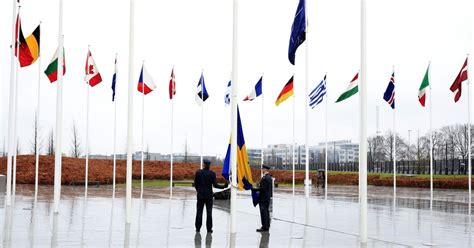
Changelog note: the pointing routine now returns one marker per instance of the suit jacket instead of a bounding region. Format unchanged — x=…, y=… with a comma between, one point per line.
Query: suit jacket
x=204, y=180
x=265, y=189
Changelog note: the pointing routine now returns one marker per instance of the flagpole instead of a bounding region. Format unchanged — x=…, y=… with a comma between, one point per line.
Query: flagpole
x=172, y=133
x=202, y=117
x=469, y=137
x=59, y=115
x=233, y=151
x=37, y=122
x=326, y=151
x=261, y=153
x=394, y=150
x=15, y=106
x=87, y=131
x=306, y=138
x=293, y=149
x=143, y=134
x=11, y=102
x=128, y=198
x=363, y=129
x=115, y=133
x=431, y=140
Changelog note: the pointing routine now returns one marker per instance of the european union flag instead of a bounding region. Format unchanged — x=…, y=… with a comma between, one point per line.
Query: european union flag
x=244, y=174
x=298, y=31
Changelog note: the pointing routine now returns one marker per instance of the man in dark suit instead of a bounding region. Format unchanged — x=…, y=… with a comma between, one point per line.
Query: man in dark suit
x=204, y=180
x=265, y=190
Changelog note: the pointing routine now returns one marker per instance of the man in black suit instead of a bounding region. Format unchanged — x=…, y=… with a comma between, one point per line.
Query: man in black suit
x=265, y=189
x=204, y=180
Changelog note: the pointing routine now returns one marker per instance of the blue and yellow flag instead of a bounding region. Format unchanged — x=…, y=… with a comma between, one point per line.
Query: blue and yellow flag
x=244, y=174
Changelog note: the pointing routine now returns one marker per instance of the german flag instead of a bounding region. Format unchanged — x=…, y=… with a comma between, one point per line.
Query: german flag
x=286, y=92
x=29, y=47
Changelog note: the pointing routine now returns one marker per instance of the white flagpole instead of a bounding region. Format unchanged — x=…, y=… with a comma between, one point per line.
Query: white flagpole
x=11, y=103
x=143, y=134
x=262, y=152
x=394, y=152
x=293, y=149
x=15, y=125
x=37, y=123
x=128, y=198
x=87, y=132
x=469, y=137
x=431, y=139
x=306, y=107
x=115, y=133
x=172, y=133
x=363, y=128
x=233, y=152
x=59, y=115
x=326, y=151
x=202, y=118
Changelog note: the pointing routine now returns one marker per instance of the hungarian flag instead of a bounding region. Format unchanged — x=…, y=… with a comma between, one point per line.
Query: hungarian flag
x=145, y=83
x=172, y=86
x=424, y=84
x=456, y=86
x=351, y=90
x=52, y=69
x=93, y=77
x=286, y=92
x=29, y=47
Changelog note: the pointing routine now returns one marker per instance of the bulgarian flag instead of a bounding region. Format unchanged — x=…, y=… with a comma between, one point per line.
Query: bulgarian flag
x=52, y=69
x=424, y=84
x=351, y=90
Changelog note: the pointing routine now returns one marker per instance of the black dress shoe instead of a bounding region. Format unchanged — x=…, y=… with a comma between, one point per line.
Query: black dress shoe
x=262, y=230
x=197, y=230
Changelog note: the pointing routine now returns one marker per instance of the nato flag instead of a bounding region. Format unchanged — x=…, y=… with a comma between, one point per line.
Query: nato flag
x=298, y=31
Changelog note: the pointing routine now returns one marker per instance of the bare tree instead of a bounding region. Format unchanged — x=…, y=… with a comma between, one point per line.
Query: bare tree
x=76, y=143
x=51, y=142
x=36, y=144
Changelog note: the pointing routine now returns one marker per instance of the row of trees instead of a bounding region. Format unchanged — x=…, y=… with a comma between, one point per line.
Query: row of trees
x=449, y=143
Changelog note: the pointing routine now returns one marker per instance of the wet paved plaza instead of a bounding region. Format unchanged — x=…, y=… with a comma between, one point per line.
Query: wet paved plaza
x=158, y=221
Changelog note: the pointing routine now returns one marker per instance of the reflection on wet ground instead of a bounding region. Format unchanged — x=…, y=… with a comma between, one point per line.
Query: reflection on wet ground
x=158, y=221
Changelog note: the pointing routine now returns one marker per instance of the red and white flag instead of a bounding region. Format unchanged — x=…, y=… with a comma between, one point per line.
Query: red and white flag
x=172, y=86
x=456, y=86
x=92, y=73
x=145, y=83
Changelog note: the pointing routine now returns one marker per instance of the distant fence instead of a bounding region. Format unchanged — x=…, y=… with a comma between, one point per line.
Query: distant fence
x=440, y=167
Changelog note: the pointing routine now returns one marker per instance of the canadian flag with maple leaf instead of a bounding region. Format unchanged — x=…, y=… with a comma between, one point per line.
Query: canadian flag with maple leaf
x=92, y=73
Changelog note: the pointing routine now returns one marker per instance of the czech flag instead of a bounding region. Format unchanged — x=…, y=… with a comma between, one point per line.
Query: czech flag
x=145, y=83
x=244, y=174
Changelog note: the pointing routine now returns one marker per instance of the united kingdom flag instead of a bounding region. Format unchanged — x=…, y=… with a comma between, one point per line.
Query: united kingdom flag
x=389, y=95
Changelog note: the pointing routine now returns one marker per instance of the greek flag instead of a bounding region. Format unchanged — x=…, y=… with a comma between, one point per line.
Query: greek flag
x=316, y=96
x=227, y=94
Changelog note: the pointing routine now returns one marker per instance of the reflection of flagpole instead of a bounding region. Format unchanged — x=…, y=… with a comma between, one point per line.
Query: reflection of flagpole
x=38, y=121
x=363, y=128
x=87, y=129
x=115, y=131
x=293, y=148
x=143, y=132
x=128, y=197
x=13, y=64
x=233, y=151
x=59, y=114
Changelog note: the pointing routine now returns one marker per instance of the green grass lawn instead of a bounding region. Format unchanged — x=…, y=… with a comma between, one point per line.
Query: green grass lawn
x=147, y=183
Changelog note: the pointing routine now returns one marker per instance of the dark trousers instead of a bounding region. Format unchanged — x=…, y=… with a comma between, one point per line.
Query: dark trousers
x=265, y=214
x=199, y=210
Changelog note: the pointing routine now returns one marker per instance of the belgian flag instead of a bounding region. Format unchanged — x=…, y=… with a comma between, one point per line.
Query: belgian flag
x=286, y=92
x=29, y=47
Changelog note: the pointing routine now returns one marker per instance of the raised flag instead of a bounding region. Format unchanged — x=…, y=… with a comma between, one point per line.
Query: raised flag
x=298, y=31
x=29, y=47
x=172, y=85
x=244, y=173
x=457, y=84
x=317, y=95
x=114, y=80
x=201, y=95
x=228, y=92
x=93, y=77
x=145, y=83
x=351, y=90
x=52, y=69
x=424, y=84
x=389, y=95
x=256, y=92
x=286, y=92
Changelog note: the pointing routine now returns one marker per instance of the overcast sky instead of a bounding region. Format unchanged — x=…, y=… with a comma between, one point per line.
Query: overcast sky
x=197, y=35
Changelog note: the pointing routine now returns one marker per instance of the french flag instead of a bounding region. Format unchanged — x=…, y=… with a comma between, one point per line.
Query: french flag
x=145, y=83
x=256, y=92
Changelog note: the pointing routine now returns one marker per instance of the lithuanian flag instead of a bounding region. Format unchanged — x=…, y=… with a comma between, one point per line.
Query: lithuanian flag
x=286, y=92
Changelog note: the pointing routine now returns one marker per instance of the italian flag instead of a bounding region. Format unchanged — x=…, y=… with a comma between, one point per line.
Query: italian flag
x=351, y=90
x=424, y=84
x=52, y=70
